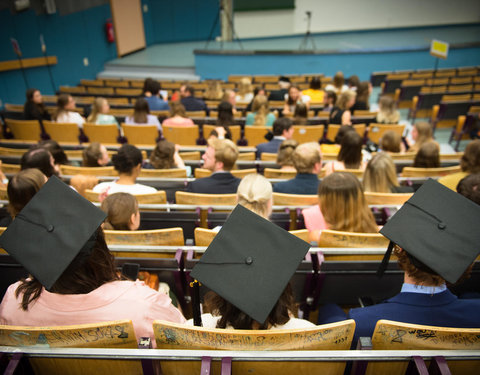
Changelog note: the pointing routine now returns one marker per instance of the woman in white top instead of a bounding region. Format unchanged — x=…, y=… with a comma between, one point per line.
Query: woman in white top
x=245, y=92
x=338, y=84
x=66, y=111
x=142, y=116
x=99, y=115
x=128, y=163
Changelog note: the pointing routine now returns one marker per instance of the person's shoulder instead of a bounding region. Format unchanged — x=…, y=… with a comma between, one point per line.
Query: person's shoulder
x=101, y=187
x=295, y=323
x=144, y=189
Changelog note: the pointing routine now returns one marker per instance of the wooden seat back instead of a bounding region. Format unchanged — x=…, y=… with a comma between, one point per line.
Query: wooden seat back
x=246, y=156
x=191, y=114
x=281, y=199
x=390, y=335
x=28, y=130
x=115, y=334
x=239, y=173
x=310, y=133
x=62, y=132
x=164, y=173
x=190, y=155
x=279, y=173
x=268, y=156
x=376, y=131
x=335, y=336
x=8, y=151
x=181, y=135
x=387, y=198
x=234, y=129
x=255, y=134
x=3, y=193
x=153, y=237
x=140, y=134
x=10, y=168
x=333, y=129
x=101, y=133
x=159, y=197
x=70, y=170
x=429, y=172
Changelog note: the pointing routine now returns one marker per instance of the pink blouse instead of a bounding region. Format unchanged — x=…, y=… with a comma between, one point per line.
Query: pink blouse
x=313, y=218
x=116, y=300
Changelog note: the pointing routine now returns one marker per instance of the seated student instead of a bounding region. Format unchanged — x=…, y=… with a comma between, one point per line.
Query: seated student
x=82, y=285
x=165, y=156
x=100, y=114
x=178, y=116
x=225, y=118
x=469, y=163
x=353, y=82
x=329, y=101
x=95, y=155
x=189, y=101
x=238, y=300
x=428, y=156
x=219, y=157
x=315, y=92
x=279, y=95
x=391, y=142
x=381, y=176
x=260, y=115
x=469, y=187
x=255, y=193
x=151, y=93
x=214, y=90
x=127, y=162
x=142, y=116
x=387, y=111
x=350, y=155
x=122, y=212
x=362, y=98
x=300, y=115
x=245, y=92
x=294, y=97
x=259, y=90
x=307, y=160
x=342, y=206
x=40, y=158
x=435, y=237
x=282, y=130
x=285, y=155
x=231, y=97
x=34, y=108
x=56, y=150
x=66, y=111
x=338, y=85
x=340, y=113
x=422, y=132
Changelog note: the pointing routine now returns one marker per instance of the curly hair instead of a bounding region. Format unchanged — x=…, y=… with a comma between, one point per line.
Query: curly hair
x=126, y=159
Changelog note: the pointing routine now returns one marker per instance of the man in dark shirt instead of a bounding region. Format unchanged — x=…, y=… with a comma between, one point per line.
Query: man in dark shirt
x=189, y=101
x=307, y=160
x=282, y=130
x=220, y=157
x=279, y=95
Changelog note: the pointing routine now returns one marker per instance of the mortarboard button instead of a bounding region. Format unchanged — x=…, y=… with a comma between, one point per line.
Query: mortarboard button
x=442, y=225
x=248, y=260
x=50, y=228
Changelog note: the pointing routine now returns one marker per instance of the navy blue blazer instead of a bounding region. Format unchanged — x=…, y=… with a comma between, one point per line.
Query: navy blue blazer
x=270, y=147
x=217, y=183
x=303, y=183
x=192, y=104
x=441, y=309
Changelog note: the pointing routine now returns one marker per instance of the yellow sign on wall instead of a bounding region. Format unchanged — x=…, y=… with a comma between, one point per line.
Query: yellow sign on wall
x=439, y=49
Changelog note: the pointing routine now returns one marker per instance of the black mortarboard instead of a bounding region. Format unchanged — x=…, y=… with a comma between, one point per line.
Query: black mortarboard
x=250, y=262
x=438, y=228
x=51, y=230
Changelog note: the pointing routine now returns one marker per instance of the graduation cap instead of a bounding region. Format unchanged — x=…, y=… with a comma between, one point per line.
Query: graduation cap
x=250, y=262
x=438, y=228
x=51, y=230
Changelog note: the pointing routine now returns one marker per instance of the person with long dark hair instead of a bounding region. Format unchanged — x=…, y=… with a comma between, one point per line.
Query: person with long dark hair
x=225, y=118
x=34, y=108
x=350, y=155
x=142, y=116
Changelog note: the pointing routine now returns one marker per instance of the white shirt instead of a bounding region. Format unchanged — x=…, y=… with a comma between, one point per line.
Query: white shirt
x=112, y=187
x=71, y=117
x=210, y=321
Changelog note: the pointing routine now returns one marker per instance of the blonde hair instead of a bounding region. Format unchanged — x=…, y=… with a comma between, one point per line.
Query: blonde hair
x=96, y=109
x=244, y=86
x=260, y=108
x=343, y=204
x=285, y=152
x=177, y=109
x=391, y=141
x=119, y=208
x=380, y=175
x=425, y=134
x=306, y=156
x=255, y=193
x=338, y=80
x=214, y=90
x=344, y=98
x=225, y=152
x=387, y=111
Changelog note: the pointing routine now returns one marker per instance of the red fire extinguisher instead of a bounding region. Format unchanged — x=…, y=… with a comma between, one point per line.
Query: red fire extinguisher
x=109, y=31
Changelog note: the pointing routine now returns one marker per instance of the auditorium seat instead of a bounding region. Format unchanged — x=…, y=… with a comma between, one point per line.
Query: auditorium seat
x=158, y=197
x=164, y=173
x=234, y=129
x=310, y=133
x=181, y=135
x=335, y=336
x=387, y=198
x=254, y=135
x=429, y=172
x=390, y=335
x=153, y=237
x=141, y=134
x=333, y=129
x=95, y=335
x=101, y=133
x=268, y=156
x=70, y=170
x=278, y=173
x=62, y=132
x=28, y=130
x=376, y=131
x=239, y=173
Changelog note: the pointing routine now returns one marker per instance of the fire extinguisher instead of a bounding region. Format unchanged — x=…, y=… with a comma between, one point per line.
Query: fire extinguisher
x=109, y=31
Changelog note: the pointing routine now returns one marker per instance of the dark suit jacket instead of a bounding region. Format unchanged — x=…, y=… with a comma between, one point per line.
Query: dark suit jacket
x=192, y=104
x=217, y=183
x=442, y=309
x=278, y=95
x=303, y=183
x=271, y=147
